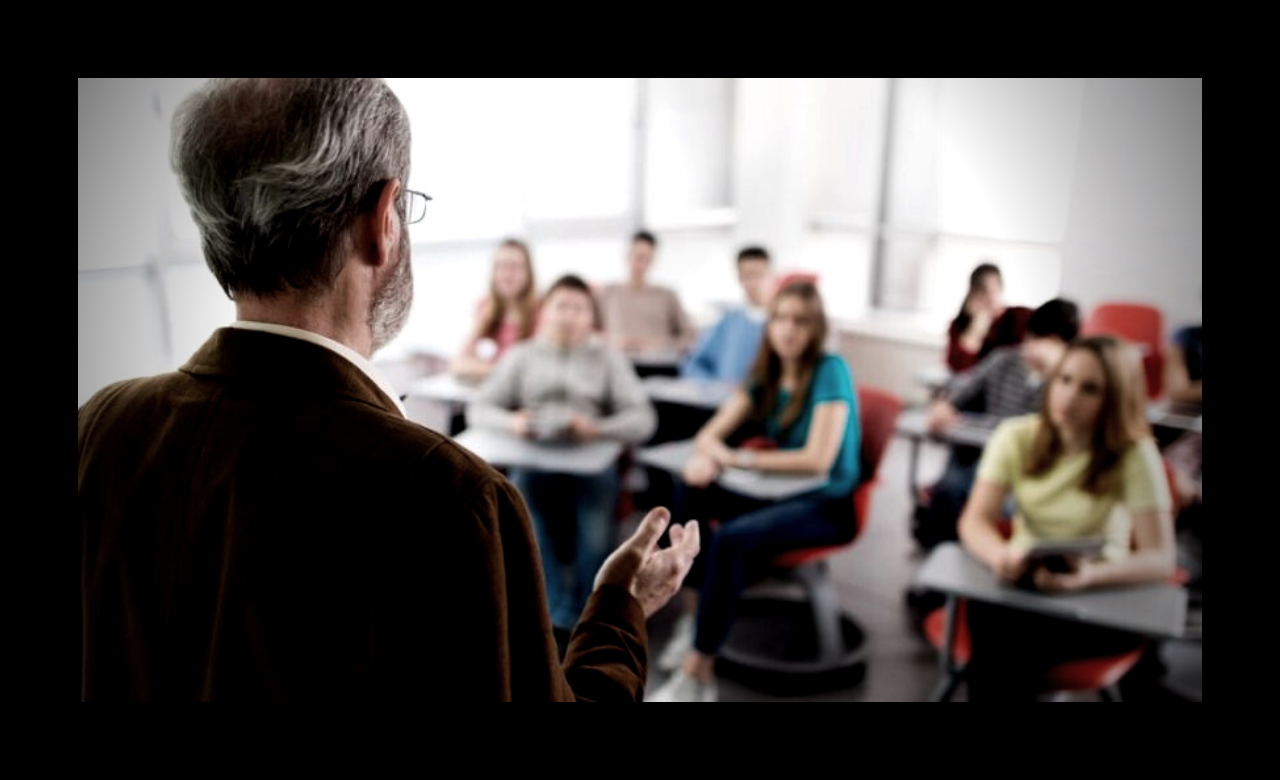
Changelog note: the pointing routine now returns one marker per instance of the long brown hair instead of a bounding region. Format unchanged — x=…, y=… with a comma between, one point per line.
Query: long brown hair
x=765, y=379
x=1121, y=420
x=526, y=300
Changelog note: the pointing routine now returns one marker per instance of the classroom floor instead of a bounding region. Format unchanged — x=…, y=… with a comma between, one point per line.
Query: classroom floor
x=872, y=577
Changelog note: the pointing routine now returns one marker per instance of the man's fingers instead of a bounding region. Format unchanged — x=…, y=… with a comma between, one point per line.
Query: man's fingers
x=690, y=538
x=646, y=537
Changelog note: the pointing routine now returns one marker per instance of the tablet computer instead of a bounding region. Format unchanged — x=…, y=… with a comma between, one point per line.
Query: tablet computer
x=1087, y=547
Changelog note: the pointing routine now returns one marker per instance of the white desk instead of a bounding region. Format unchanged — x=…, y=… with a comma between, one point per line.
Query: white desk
x=766, y=486
x=972, y=430
x=658, y=360
x=695, y=393
x=933, y=378
x=444, y=388
x=506, y=449
x=1158, y=611
x=1179, y=416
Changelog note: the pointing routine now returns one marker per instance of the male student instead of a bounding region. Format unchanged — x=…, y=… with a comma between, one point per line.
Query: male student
x=726, y=350
x=640, y=317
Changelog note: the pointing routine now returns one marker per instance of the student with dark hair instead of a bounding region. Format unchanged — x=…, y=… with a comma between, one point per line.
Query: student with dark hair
x=725, y=351
x=1005, y=384
x=639, y=317
x=983, y=323
x=506, y=315
x=1184, y=369
x=1085, y=466
x=564, y=384
x=803, y=399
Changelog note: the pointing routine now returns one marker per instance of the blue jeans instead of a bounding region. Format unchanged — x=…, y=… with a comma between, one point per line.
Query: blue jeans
x=740, y=552
x=573, y=519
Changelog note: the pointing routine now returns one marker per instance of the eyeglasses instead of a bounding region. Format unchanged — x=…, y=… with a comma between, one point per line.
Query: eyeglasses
x=417, y=206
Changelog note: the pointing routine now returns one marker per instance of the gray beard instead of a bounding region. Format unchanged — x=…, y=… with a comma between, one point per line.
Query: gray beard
x=391, y=303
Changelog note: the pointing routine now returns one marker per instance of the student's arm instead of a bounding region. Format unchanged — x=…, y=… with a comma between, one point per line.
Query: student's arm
x=978, y=526
x=633, y=419
x=497, y=405
x=711, y=451
x=701, y=362
x=979, y=531
x=467, y=364
x=961, y=389
x=1177, y=382
x=682, y=331
x=826, y=432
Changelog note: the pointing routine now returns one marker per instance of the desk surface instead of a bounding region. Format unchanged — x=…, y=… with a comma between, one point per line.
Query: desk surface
x=656, y=359
x=753, y=484
x=697, y=393
x=505, y=449
x=1152, y=610
x=444, y=387
x=971, y=429
x=933, y=377
x=1181, y=416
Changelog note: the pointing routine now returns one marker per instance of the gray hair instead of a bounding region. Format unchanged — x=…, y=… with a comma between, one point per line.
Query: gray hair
x=276, y=170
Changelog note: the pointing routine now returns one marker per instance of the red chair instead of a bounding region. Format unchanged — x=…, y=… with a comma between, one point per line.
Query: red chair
x=1141, y=324
x=795, y=644
x=1101, y=674
x=796, y=276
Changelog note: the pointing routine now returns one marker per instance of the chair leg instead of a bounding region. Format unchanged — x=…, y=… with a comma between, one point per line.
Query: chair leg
x=826, y=609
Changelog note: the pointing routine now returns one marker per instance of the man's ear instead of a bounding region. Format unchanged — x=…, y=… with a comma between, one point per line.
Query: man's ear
x=386, y=223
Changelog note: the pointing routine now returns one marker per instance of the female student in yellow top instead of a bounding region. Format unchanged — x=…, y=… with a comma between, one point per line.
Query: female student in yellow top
x=1085, y=466
x=508, y=314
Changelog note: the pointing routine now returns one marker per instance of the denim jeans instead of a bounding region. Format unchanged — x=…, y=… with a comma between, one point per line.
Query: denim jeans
x=574, y=523
x=740, y=551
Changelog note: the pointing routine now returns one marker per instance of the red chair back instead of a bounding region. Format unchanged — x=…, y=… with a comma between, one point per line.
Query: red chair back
x=1136, y=322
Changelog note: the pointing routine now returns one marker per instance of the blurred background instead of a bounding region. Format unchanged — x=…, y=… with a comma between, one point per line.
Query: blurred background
x=891, y=190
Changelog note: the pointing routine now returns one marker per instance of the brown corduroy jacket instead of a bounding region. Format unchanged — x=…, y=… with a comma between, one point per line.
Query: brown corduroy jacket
x=264, y=524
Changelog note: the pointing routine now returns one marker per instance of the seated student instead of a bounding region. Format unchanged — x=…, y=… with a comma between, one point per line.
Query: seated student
x=1184, y=366
x=639, y=317
x=983, y=323
x=1006, y=383
x=506, y=315
x=803, y=400
x=725, y=351
x=1085, y=466
x=564, y=383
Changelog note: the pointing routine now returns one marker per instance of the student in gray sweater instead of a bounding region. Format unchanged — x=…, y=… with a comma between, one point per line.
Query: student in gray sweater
x=565, y=384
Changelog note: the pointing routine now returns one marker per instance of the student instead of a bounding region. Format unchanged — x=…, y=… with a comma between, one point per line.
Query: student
x=506, y=315
x=983, y=322
x=1005, y=384
x=639, y=317
x=803, y=400
x=1085, y=466
x=1183, y=370
x=565, y=384
x=725, y=351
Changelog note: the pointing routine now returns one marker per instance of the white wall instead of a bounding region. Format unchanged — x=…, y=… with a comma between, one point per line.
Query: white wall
x=1135, y=228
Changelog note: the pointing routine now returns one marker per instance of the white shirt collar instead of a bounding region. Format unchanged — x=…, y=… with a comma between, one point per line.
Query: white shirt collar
x=342, y=349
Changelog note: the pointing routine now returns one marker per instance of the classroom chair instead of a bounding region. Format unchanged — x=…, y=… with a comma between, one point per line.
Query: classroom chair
x=1136, y=322
x=795, y=645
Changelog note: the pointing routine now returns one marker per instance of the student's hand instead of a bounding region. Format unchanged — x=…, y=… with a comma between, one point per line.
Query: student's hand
x=652, y=575
x=1078, y=579
x=715, y=449
x=942, y=416
x=1011, y=564
x=522, y=423
x=700, y=471
x=583, y=428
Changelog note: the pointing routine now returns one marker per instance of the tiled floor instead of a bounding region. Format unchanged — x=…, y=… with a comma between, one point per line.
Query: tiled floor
x=871, y=577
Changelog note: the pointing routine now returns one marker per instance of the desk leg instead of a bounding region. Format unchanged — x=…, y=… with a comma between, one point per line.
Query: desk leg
x=948, y=670
x=912, y=485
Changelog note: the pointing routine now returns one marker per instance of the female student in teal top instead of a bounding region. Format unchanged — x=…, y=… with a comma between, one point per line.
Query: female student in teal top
x=804, y=400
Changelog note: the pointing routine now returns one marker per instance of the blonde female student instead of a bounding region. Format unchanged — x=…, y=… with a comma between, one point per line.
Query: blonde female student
x=507, y=315
x=1085, y=466
x=803, y=399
